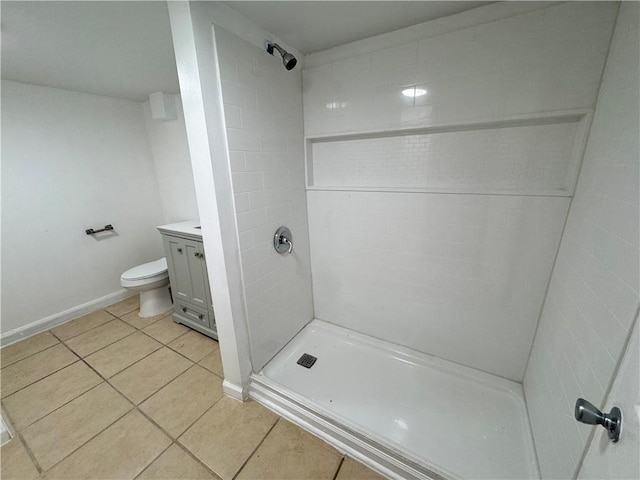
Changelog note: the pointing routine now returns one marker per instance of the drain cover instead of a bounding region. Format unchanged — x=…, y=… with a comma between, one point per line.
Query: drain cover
x=307, y=360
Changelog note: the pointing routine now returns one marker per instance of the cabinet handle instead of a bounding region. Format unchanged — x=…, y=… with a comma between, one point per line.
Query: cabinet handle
x=179, y=250
x=184, y=309
x=200, y=316
x=196, y=254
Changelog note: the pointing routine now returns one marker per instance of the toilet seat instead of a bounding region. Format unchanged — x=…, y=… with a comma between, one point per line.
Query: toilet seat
x=145, y=274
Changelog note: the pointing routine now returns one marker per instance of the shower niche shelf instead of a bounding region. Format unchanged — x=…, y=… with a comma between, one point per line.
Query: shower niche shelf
x=535, y=155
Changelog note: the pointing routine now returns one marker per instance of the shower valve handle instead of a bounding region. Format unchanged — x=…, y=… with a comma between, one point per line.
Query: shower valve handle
x=588, y=413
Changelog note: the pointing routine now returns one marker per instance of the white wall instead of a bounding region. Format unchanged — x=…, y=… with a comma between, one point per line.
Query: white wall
x=593, y=295
x=71, y=161
x=263, y=113
x=172, y=165
x=605, y=459
x=459, y=276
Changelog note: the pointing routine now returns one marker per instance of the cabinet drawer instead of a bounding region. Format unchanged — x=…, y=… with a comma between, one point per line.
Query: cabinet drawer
x=193, y=314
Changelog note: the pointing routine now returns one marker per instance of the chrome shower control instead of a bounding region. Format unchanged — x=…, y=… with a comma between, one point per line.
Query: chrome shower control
x=283, y=241
x=587, y=413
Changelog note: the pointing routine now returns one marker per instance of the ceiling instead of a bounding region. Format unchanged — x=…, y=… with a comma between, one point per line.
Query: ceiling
x=118, y=49
x=124, y=49
x=316, y=26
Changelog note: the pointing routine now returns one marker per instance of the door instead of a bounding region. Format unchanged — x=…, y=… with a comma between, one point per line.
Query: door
x=605, y=459
x=197, y=274
x=178, y=269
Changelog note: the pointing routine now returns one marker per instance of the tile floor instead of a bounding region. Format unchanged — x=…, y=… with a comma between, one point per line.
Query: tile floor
x=112, y=395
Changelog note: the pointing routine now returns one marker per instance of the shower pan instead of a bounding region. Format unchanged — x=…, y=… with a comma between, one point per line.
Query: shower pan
x=419, y=416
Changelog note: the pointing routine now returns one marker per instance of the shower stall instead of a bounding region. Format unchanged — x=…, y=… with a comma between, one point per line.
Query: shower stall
x=460, y=197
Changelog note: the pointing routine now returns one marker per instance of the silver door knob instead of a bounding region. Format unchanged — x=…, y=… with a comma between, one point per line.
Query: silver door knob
x=588, y=413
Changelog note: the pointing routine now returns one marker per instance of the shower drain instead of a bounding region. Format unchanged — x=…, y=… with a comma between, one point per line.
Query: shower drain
x=307, y=360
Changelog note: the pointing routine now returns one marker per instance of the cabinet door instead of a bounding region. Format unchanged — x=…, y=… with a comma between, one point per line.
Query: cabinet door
x=197, y=274
x=178, y=269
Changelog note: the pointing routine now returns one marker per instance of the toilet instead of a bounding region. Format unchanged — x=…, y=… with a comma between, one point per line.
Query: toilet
x=152, y=281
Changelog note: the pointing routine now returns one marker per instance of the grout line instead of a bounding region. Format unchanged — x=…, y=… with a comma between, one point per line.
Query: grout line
x=24, y=427
x=18, y=434
x=49, y=374
x=104, y=346
x=78, y=334
x=133, y=405
x=342, y=459
x=124, y=414
x=154, y=459
x=33, y=354
x=194, y=457
x=257, y=447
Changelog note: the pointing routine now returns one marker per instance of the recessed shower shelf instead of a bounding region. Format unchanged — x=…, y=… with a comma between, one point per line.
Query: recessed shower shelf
x=537, y=155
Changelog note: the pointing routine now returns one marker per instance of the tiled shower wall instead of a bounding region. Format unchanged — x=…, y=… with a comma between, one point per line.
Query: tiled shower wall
x=593, y=296
x=460, y=276
x=263, y=112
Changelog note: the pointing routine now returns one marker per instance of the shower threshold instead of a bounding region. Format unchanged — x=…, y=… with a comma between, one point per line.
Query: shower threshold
x=404, y=413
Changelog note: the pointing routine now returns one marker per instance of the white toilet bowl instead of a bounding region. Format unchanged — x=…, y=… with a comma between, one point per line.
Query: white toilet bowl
x=152, y=281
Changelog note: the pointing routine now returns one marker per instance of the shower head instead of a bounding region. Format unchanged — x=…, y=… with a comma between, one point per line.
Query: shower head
x=288, y=60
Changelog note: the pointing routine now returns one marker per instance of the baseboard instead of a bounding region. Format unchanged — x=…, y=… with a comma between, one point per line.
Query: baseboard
x=234, y=391
x=54, y=320
x=375, y=456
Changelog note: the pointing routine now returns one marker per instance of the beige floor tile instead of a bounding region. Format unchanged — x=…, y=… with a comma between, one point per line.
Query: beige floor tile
x=181, y=402
x=119, y=355
x=289, y=452
x=213, y=363
x=33, y=368
x=135, y=320
x=82, y=324
x=353, y=470
x=99, y=337
x=194, y=345
x=165, y=330
x=15, y=462
x=26, y=348
x=58, y=434
x=176, y=464
x=43, y=397
x=143, y=379
x=125, y=306
x=121, y=451
x=225, y=436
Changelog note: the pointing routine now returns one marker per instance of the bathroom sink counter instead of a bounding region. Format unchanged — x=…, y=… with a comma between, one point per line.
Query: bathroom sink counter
x=189, y=228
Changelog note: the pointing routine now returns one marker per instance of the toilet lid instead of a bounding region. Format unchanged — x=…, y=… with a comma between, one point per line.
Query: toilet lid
x=146, y=270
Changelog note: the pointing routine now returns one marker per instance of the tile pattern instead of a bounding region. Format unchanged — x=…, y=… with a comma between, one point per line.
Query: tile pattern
x=595, y=286
x=99, y=337
x=291, y=453
x=82, y=324
x=263, y=108
x=454, y=280
x=42, y=397
x=470, y=73
x=464, y=278
x=142, y=407
x=26, y=348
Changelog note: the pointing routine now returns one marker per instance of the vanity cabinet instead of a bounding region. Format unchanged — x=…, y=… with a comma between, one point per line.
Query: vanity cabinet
x=188, y=277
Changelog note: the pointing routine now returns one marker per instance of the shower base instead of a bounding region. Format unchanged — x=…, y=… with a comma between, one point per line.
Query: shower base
x=404, y=413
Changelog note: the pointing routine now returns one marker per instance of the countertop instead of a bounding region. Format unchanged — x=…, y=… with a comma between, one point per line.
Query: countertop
x=180, y=229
